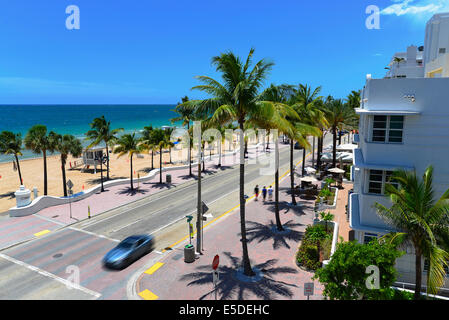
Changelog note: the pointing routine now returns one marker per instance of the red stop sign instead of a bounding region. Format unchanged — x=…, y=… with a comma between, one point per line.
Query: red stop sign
x=215, y=262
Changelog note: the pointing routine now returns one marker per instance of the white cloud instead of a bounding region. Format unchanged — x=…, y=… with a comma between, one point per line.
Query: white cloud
x=413, y=7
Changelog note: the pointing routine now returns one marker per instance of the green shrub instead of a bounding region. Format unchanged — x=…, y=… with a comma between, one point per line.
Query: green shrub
x=308, y=257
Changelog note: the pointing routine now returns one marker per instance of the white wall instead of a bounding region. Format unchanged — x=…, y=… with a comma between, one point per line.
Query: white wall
x=425, y=136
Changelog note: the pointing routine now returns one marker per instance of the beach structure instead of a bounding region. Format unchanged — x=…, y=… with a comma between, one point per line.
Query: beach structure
x=403, y=124
x=92, y=158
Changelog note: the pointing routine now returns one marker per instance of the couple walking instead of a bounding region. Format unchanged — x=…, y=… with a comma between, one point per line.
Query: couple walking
x=264, y=193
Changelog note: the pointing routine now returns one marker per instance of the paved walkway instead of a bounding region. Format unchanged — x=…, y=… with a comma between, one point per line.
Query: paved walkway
x=271, y=252
x=339, y=212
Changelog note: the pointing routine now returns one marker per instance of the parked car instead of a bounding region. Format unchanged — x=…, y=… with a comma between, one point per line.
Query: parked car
x=297, y=146
x=128, y=251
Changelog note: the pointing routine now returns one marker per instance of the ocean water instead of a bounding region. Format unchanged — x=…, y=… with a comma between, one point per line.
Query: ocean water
x=75, y=119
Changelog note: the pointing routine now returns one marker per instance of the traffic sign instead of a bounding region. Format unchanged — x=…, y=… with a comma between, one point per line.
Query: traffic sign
x=204, y=207
x=215, y=262
x=308, y=289
x=70, y=184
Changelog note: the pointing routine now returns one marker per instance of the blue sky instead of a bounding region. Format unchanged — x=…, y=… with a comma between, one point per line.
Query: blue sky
x=149, y=51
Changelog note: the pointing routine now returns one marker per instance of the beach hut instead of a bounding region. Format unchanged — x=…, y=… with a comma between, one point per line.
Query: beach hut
x=92, y=157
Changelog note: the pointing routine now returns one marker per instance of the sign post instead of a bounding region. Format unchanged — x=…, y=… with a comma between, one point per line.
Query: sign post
x=308, y=289
x=215, y=275
x=189, y=218
x=70, y=192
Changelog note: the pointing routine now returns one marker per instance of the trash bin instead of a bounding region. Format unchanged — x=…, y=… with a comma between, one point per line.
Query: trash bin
x=168, y=178
x=189, y=253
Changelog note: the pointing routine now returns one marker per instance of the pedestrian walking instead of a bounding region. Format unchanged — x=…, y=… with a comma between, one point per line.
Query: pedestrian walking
x=256, y=192
x=270, y=193
x=264, y=193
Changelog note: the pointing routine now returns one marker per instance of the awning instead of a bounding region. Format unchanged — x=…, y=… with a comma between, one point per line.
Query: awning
x=359, y=162
x=388, y=112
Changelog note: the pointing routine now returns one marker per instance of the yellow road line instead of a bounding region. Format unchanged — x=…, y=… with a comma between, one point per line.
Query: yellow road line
x=148, y=295
x=174, y=244
x=153, y=269
x=41, y=233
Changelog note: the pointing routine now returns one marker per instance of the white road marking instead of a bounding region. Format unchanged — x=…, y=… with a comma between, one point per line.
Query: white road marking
x=93, y=234
x=52, y=276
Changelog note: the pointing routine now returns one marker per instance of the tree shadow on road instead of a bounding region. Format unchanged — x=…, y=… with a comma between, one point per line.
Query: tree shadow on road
x=262, y=232
x=230, y=287
x=133, y=192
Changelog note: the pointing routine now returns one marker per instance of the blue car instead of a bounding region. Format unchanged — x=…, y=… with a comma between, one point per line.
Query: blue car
x=128, y=251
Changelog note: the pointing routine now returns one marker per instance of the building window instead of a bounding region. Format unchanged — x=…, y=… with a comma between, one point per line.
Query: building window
x=368, y=237
x=387, y=129
x=378, y=179
x=442, y=50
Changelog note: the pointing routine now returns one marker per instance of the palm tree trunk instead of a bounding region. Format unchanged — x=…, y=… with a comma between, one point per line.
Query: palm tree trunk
x=276, y=183
x=292, y=173
x=64, y=184
x=107, y=161
x=199, y=204
x=131, y=162
x=418, y=274
x=160, y=165
x=303, y=172
x=339, y=137
x=334, y=147
x=18, y=169
x=318, y=154
x=247, y=270
x=203, y=156
x=219, y=156
x=44, y=152
x=313, y=151
x=152, y=160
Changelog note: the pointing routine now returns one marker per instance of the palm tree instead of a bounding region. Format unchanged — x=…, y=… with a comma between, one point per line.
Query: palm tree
x=65, y=145
x=287, y=121
x=161, y=141
x=11, y=143
x=128, y=144
x=186, y=115
x=235, y=100
x=101, y=132
x=326, y=217
x=338, y=115
x=305, y=103
x=420, y=221
x=353, y=99
x=147, y=143
x=37, y=141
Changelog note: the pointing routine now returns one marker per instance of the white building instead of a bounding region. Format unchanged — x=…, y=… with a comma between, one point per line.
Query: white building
x=404, y=123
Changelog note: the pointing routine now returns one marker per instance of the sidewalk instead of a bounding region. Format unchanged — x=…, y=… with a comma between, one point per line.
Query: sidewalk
x=272, y=254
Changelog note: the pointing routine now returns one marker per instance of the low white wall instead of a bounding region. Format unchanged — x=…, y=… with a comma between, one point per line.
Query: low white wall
x=43, y=202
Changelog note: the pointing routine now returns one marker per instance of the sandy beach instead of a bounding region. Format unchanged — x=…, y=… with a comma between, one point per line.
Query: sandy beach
x=33, y=173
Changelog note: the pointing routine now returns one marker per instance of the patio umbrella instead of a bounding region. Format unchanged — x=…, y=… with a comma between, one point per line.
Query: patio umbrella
x=336, y=170
x=309, y=179
x=310, y=170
